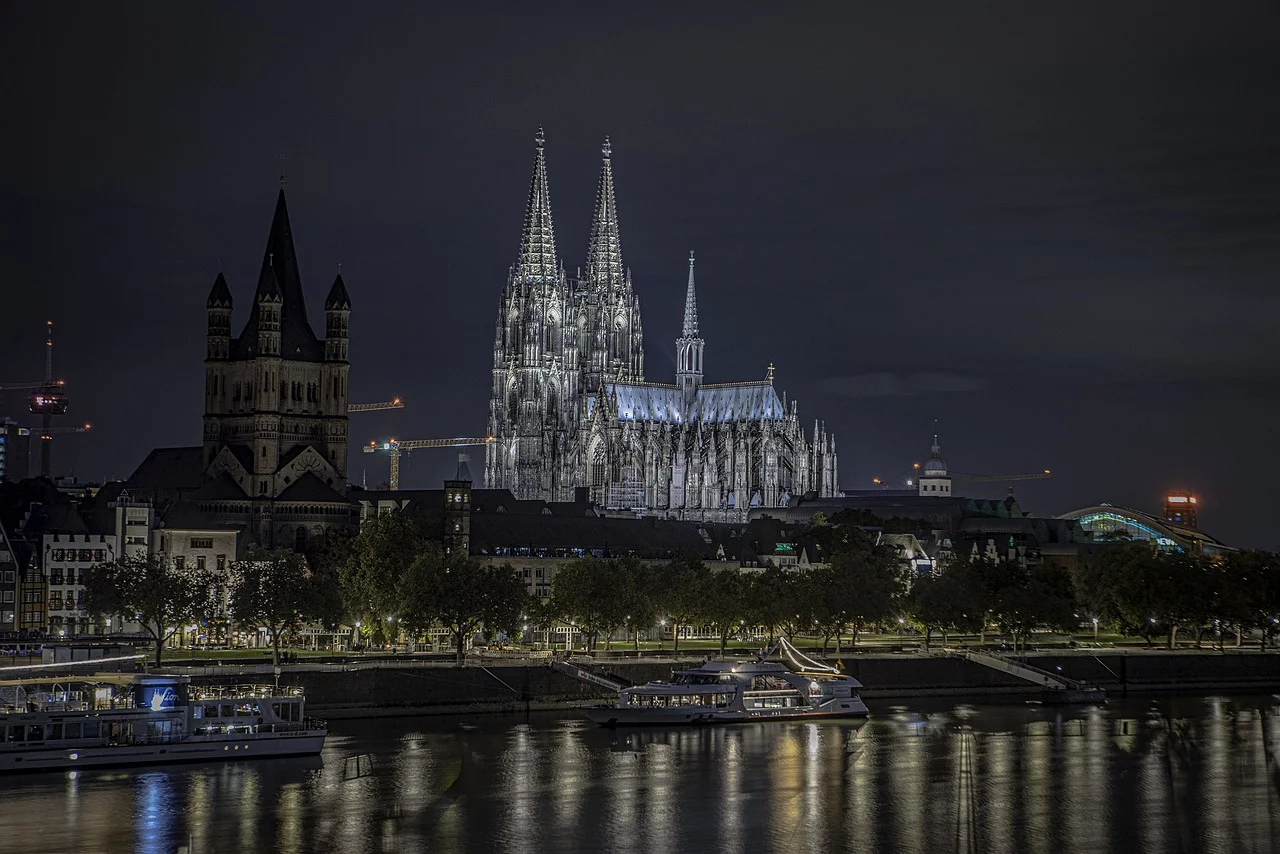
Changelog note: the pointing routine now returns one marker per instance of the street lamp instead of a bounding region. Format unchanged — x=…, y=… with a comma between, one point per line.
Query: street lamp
x=662, y=625
x=1095, y=629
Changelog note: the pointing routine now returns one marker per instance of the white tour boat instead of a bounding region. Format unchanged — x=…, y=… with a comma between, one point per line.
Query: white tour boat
x=735, y=692
x=72, y=722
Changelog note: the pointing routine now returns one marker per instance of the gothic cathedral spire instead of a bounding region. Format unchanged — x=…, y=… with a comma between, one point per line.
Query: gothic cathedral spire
x=537, y=262
x=689, y=344
x=604, y=252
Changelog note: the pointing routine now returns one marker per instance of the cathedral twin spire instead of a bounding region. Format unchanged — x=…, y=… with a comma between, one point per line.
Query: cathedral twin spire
x=604, y=252
x=537, y=262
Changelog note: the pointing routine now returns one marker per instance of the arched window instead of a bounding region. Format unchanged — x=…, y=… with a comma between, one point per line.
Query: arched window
x=300, y=539
x=599, y=469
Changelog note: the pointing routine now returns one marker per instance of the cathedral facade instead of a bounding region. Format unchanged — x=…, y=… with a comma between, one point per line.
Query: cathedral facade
x=274, y=458
x=571, y=408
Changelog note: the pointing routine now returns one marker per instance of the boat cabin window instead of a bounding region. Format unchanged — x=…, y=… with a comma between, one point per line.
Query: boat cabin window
x=15, y=733
x=72, y=730
x=35, y=732
x=697, y=679
x=769, y=683
x=228, y=710
x=720, y=701
x=90, y=729
x=286, y=711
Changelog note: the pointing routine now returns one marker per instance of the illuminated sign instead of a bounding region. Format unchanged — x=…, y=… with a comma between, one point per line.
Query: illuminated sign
x=159, y=698
x=1177, y=499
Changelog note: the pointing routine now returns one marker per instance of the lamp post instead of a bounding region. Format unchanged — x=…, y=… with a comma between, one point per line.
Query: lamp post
x=1095, y=629
x=662, y=625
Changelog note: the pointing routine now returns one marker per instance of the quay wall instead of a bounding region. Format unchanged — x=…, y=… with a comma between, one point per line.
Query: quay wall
x=388, y=688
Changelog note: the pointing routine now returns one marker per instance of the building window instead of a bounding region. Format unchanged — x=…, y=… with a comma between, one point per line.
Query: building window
x=222, y=563
x=201, y=542
x=300, y=539
x=200, y=562
x=179, y=562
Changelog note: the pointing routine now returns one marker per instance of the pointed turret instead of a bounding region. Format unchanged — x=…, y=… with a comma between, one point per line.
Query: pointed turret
x=219, y=310
x=604, y=252
x=219, y=294
x=337, y=313
x=337, y=300
x=537, y=261
x=689, y=345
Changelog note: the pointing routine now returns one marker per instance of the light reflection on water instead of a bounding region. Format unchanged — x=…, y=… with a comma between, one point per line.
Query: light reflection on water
x=1185, y=774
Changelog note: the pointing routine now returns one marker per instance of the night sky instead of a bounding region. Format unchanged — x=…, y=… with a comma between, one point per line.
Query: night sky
x=1057, y=230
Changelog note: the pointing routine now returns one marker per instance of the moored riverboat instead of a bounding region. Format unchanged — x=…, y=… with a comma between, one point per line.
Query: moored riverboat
x=722, y=692
x=55, y=723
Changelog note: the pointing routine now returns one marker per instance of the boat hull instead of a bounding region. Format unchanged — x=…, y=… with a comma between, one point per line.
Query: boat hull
x=621, y=716
x=191, y=750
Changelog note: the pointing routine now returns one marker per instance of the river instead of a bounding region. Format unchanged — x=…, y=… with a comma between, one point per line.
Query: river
x=1139, y=775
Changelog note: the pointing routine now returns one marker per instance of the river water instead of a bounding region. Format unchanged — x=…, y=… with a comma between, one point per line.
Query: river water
x=1139, y=775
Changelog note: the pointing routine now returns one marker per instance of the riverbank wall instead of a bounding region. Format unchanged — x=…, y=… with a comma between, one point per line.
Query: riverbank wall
x=388, y=687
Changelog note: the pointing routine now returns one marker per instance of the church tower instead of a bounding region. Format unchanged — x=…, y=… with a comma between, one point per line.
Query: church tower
x=275, y=422
x=933, y=480
x=535, y=359
x=689, y=345
x=609, y=312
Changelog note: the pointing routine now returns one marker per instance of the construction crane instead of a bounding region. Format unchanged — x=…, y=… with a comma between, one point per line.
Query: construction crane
x=395, y=447
x=963, y=477
x=32, y=384
x=47, y=400
x=1002, y=478
x=394, y=403
x=84, y=428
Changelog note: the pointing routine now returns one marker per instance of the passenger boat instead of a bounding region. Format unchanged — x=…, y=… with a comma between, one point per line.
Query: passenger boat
x=129, y=719
x=721, y=692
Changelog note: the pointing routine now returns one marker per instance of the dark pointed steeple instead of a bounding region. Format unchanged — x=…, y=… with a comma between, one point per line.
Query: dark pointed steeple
x=219, y=294
x=604, y=252
x=537, y=261
x=281, y=279
x=337, y=300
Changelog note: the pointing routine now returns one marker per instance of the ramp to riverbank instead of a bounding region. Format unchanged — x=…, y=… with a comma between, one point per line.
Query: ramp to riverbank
x=579, y=671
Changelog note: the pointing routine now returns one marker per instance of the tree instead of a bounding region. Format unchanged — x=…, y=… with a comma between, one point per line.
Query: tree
x=161, y=597
x=863, y=582
x=774, y=600
x=588, y=594
x=462, y=596
x=637, y=586
x=945, y=602
x=372, y=572
x=681, y=587
x=275, y=590
x=1039, y=596
x=724, y=603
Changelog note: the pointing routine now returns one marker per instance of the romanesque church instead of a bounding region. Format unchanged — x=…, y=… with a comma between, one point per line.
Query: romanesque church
x=571, y=407
x=275, y=417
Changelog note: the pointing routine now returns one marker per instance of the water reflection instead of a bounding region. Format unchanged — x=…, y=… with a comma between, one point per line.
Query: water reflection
x=1188, y=774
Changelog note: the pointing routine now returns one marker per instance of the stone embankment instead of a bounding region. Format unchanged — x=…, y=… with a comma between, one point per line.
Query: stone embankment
x=359, y=689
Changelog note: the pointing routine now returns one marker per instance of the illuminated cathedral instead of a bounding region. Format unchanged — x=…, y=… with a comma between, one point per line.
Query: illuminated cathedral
x=571, y=407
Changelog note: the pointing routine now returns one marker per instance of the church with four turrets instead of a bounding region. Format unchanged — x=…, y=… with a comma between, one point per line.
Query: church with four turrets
x=570, y=406
x=275, y=415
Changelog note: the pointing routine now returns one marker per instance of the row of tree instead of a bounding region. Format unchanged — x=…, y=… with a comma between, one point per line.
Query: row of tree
x=395, y=579
x=274, y=590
